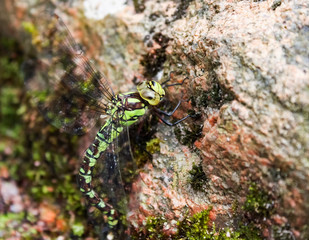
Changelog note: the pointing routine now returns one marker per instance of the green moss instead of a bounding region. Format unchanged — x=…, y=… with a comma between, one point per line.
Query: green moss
x=196, y=227
x=154, y=227
x=25, y=224
x=50, y=175
x=153, y=145
x=39, y=158
x=13, y=222
x=78, y=229
x=141, y=156
x=30, y=28
x=9, y=70
x=197, y=178
x=9, y=102
x=258, y=203
x=10, y=60
x=249, y=232
x=35, y=160
x=235, y=206
x=5, y=219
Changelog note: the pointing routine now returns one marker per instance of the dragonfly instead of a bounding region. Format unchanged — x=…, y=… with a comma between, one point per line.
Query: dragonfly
x=72, y=94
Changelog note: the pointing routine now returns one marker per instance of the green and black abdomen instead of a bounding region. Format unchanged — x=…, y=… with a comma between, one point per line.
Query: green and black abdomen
x=127, y=110
x=92, y=154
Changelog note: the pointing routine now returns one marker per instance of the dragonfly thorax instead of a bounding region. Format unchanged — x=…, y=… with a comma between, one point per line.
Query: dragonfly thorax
x=151, y=91
x=127, y=108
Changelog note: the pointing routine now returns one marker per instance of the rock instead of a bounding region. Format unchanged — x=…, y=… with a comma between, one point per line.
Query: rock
x=248, y=69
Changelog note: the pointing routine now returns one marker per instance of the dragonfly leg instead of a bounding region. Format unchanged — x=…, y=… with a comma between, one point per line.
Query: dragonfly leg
x=164, y=85
x=174, y=123
x=169, y=113
x=169, y=79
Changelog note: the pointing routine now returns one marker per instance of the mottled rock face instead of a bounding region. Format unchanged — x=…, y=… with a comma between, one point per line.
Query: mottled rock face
x=247, y=65
x=249, y=68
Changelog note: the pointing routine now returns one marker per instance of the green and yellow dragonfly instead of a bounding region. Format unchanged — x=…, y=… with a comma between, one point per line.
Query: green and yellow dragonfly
x=72, y=94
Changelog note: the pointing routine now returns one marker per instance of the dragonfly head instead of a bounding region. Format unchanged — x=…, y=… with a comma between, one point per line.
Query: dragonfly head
x=151, y=91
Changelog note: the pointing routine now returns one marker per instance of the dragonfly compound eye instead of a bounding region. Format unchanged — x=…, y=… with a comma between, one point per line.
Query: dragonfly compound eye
x=149, y=95
x=151, y=91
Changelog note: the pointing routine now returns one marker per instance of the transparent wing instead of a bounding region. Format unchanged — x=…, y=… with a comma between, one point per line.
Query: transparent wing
x=68, y=89
x=112, y=178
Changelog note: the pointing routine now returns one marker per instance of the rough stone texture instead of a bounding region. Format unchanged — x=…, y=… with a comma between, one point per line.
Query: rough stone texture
x=258, y=55
x=247, y=64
